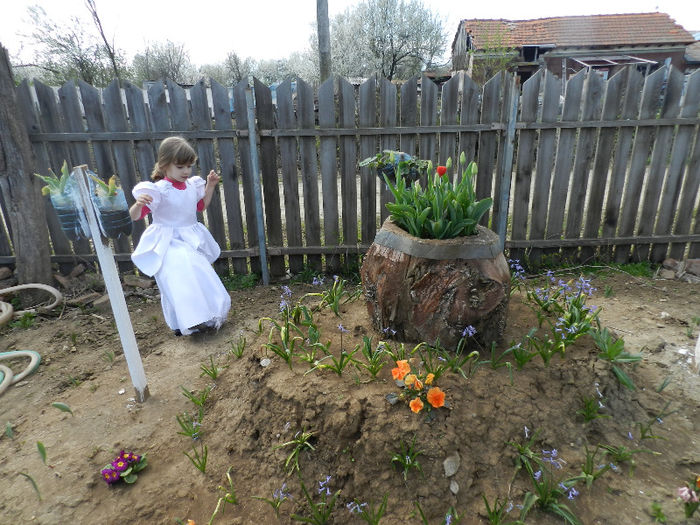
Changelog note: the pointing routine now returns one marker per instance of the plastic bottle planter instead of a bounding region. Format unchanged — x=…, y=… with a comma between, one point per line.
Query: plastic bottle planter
x=72, y=221
x=113, y=214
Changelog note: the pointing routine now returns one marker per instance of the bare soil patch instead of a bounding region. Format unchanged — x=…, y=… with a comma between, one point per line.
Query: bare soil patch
x=252, y=409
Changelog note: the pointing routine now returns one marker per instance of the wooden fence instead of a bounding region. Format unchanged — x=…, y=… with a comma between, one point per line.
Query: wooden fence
x=591, y=169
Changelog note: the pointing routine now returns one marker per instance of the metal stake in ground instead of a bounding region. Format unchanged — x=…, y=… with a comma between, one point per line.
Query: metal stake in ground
x=114, y=289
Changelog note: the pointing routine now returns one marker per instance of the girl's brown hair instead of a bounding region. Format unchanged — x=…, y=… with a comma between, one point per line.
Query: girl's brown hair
x=173, y=150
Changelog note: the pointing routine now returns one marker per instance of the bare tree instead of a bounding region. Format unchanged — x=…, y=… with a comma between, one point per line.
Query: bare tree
x=324, y=38
x=109, y=48
x=160, y=61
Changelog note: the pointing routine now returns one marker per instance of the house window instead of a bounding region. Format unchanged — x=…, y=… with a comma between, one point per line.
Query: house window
x=530, y=53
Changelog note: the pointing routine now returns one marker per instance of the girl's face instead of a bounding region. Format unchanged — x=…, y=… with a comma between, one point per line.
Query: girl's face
x=178, y=172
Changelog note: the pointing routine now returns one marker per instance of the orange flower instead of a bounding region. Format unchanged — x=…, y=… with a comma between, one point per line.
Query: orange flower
x=436, y=397
x=409, y=379
x=416, y=405
x=441, y=170
x=429, y=379
x=697, y=482
x=401, y=369
x=417, y=385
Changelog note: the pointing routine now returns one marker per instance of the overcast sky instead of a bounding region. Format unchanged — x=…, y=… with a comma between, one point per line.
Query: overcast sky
x=265, y=29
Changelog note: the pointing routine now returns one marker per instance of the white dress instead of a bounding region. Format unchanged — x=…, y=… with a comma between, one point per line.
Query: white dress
x=178, y=251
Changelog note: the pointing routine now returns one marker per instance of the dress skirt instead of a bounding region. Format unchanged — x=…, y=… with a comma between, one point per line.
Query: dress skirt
x=191, y=291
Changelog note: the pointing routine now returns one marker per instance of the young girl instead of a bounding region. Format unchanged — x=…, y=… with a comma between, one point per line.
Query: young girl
x=177, y=249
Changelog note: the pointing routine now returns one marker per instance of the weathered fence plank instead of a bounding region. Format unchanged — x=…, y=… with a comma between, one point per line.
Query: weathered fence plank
x=428, y=117
x=469, y=115
x=290, y=179
x=638, y=163
x=143, y=149
x=630, y=109
x=348, y=168
x=368, y=148
x=329, y=171
x=408, y=116
x=544, y=163
x=449, y=114
x=248, y=177
x=387, y=119
x=268, y=167
x=601, y=165
x=525, y=163
x=229, y=175
x=488, y=141
x=309, y=171
x=680, y=152
x=657, y=168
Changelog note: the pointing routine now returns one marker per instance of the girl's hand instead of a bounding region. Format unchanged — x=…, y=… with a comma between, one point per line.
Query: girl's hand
x=213, y=178
x=144, y=199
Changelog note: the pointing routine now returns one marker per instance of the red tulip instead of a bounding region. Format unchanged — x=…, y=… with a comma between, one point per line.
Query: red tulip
x=441, y=170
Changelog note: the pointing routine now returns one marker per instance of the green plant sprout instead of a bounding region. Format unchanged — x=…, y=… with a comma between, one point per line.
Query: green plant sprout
x=213, y=370
x=590, y=408
x=400, y=352
x=621, y=454
x=338, y=364
x=368, y=512
x=199, y=457
x=34, y=485
x=319, y=513
x=645, y=429
x=288, y=341
x=407, y=458
x=521, y=354
x=300, y=442
x=106, y=189
x=657, y=513
x=451, y=518
x=548, y=492
x=62, y=407
x=497, y=361
x=42, y=451
x=198, y=400
x=228, y=497
x=457, y=360
x=108, y=356
x=238, y=347
x=497, y=513
x=432, y=362
x=591, y=468
x=55, y=185
x=9, y=432
x=279, y=496
x=613, y=350
x=191, y=427
x=332, y=297
x=308, y=351
x=27, y=320
x=374, y=357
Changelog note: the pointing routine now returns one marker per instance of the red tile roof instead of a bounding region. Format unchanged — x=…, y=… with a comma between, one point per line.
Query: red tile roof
x=568, y=31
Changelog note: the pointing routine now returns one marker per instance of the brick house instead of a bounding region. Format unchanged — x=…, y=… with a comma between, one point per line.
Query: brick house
x=564, y=45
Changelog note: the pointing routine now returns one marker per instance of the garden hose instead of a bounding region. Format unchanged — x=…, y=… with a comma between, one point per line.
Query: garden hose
x=8, y=377
x=4, y=317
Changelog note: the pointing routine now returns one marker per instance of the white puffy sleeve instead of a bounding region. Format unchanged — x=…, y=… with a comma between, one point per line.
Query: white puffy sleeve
x=198, y=183
x=148, y=188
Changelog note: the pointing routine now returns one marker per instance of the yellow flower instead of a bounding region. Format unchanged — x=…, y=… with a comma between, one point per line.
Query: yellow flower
x=429, y=379
x=409, y=379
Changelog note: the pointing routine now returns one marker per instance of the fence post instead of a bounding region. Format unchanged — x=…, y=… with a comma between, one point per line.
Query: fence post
x=253, y=140
x=507, y=165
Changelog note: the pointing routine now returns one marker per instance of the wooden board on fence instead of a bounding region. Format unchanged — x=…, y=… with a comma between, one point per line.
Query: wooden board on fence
x=449, y=114
x=669, y=197
x=428, y=117
x=638, y=163
x=221, y=106
x=309, y=171
x=630, y=110
x=348, y=167
x=408, y=116
x=329, y=171
x=368, y=148
x=115, y=120
x=143, y=149
x=545, y=162
x=248, y=177
x=657, y=168
x=601, y=165
x=564, y=159
x=387, y=119
x=681, y=153
x=290, y=179
x=80, y=152
x=488, y=140
x=268, y=167
x=525, y=163
x=469, y=114
x=95, y=120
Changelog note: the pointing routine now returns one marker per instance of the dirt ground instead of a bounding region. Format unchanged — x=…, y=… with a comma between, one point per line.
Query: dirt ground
x=252, y=409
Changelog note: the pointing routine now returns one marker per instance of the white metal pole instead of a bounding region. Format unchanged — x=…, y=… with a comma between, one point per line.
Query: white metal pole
x=114, y=289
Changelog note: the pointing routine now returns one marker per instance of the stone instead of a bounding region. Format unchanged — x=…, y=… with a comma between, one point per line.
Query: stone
x=454, y=487
x=451, y=464
x=666, y=274
x=78, y=270
x=5, y=273
x=102, y=304
x=62, y=280
x=692, y=266
x=671, y=264
x=136, y=281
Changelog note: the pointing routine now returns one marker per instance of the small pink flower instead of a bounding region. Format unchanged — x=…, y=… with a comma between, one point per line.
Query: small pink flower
x=687, y=495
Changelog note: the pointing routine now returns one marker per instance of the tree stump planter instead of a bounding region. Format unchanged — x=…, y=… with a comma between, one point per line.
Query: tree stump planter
x=427, y=289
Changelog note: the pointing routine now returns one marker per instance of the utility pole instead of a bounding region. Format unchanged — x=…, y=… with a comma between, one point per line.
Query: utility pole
x=324, y=39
